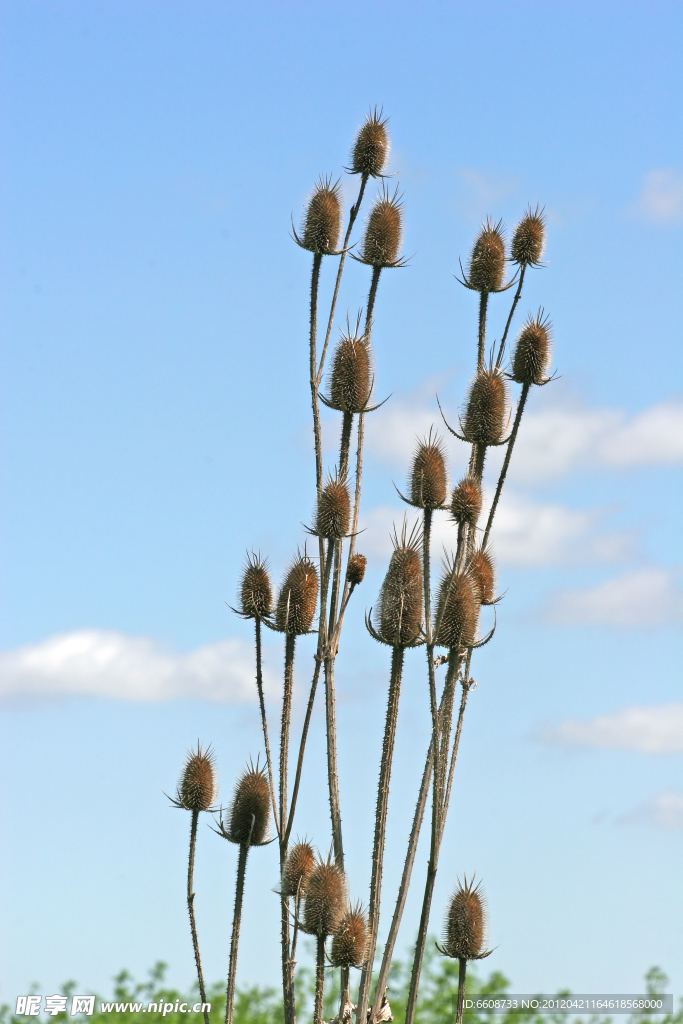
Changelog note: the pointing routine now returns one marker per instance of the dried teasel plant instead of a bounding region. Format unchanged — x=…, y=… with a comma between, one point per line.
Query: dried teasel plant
x=464, y=935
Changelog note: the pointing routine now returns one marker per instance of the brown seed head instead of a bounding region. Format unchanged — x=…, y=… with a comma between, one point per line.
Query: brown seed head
x=487, y=261
x=350, y=942
x=398, y=616
x=533, y=350
x=483, y=573
x=321, y=224
x=250, y=808
x=356, y=569
x=428, y=476
x=465, y=923
x=529, y=239
x=298, y=597
x=297, y=870
x=486, y=407
x=371, y=147
x=383, y=233
x=325, y=899
x=198, y=787
x=457, y=605
x=466, y=501
x=349, y=382
x=334, y=509
x=256, y=596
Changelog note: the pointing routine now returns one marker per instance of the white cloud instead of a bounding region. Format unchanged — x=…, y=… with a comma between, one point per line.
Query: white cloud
x=105, y=663
x=663, y=811
x=647, y=730
x=642, y=598
x=661, y=196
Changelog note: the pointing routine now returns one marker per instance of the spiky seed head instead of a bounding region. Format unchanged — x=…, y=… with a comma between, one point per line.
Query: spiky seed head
x=487, y=261
x=356, y=569
x=350, y=941
x=198, y=787
x=334, y=509
x=466, y=501
x=325, y=899
x=350, y=382
x=298, y=597
x=428, y=476
x=371, y=146
x=457, y=605
x=529, y=239
x=532, y=353
x=256, y=593
x=398, y=616
x=321, y=223
x=250, y=803
x=383, y=232
x=465, y=923
x=297, y=870
x=486, y=407
x=483, y=572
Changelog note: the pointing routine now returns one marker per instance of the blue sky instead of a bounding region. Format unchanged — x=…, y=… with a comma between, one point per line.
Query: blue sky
x=154, y=424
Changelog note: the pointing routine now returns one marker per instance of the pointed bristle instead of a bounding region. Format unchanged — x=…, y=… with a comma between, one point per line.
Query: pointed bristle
x=399, y=608
x=532, y=351
x=486, y=407
x=325, y=899
x=250, y=808
x=457, y=606
x=466, y=501
x=197, y=787
x=355, y=572
x=349, y=384
x=465, y=924
x=321, y=224
x=350, y=941
x=298, y=597
x=297, y=870
x=487, y=261
x=334, y=509
x=529, y=239
x=256, y=595
x=383, y=233
x=371, y=146
x=483, y=573
x=428, y=476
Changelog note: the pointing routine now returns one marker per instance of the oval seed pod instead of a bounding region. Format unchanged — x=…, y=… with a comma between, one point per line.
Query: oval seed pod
x=356, y=569
x=486, y=407
x=334, y=509
x=428, y=476
x=532, y=351
x=383, y=233
x=250, y=808
x=466, y=501
x=321, y=223
x=325, y=899
x=297, y=870
x=349, y=382
x=371, y=146
x=465, y=923
x=298, y=597
x=487, y=261
x=197, y=787
x=457, y=609
x=350, y=941
x=399, y=607
x=256, y=595
x=529, y=239
x=483, y=573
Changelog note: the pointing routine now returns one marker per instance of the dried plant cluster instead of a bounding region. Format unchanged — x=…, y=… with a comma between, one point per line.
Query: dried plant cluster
x=315, y=592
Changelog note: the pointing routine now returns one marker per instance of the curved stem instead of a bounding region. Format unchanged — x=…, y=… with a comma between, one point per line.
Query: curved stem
x=190, y=908
x=236, y=923
x=501, y=350
x=506, y=463
x=264, y=723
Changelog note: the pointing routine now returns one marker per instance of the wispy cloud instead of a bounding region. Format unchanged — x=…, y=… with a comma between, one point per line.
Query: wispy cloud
x=486, y=189
x=105, y=663
x=663, y=811
x=661, y=196
x=647, y=730
x=639, y=599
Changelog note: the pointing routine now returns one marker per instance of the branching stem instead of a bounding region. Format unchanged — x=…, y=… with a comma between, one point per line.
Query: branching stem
x=506, y=463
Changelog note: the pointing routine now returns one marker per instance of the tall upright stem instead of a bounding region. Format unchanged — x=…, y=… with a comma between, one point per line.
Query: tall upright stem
x=372, y=295
x=190, y=908
x=347, y=423
x=332, y=773
x=236, y=923
x=319, y=980
x=518, y=292
x=462, y=972
x=264, y=723
x=506, y=463
x=426, y=582
x=481, y=340
x=287, y=965
x=313, y=358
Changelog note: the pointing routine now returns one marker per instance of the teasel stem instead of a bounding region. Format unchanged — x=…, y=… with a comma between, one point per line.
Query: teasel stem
x=347, y=423
x=353, y=213
x=236, y=923
x=397, y=656
x=506, y=462
x=518, y=293
x=319, y=980
x=354, y=525
x=372, y=295
x=287, y=964
x=426, y=564
x=315, y=280
x=259, y=687
x=190, y=907
x=481, y=343
x=462, y=971
x=465, y=683
x=288, y=994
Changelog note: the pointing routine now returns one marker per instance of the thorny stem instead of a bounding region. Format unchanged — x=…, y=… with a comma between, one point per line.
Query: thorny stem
x=190, y=907
x=481, y=343
x=518, y=293
x=287, y=964
x=315, y=279
x=456, y=742
x=372, y=295
x=380, y=827
x=236, y=922
x=354, y=524
x=506, y=463
x=259, y=687
x=426, y=538
x=287, y=957
x=332, y=775
x=347, y=423
x=319, y=980
x=462, y=971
